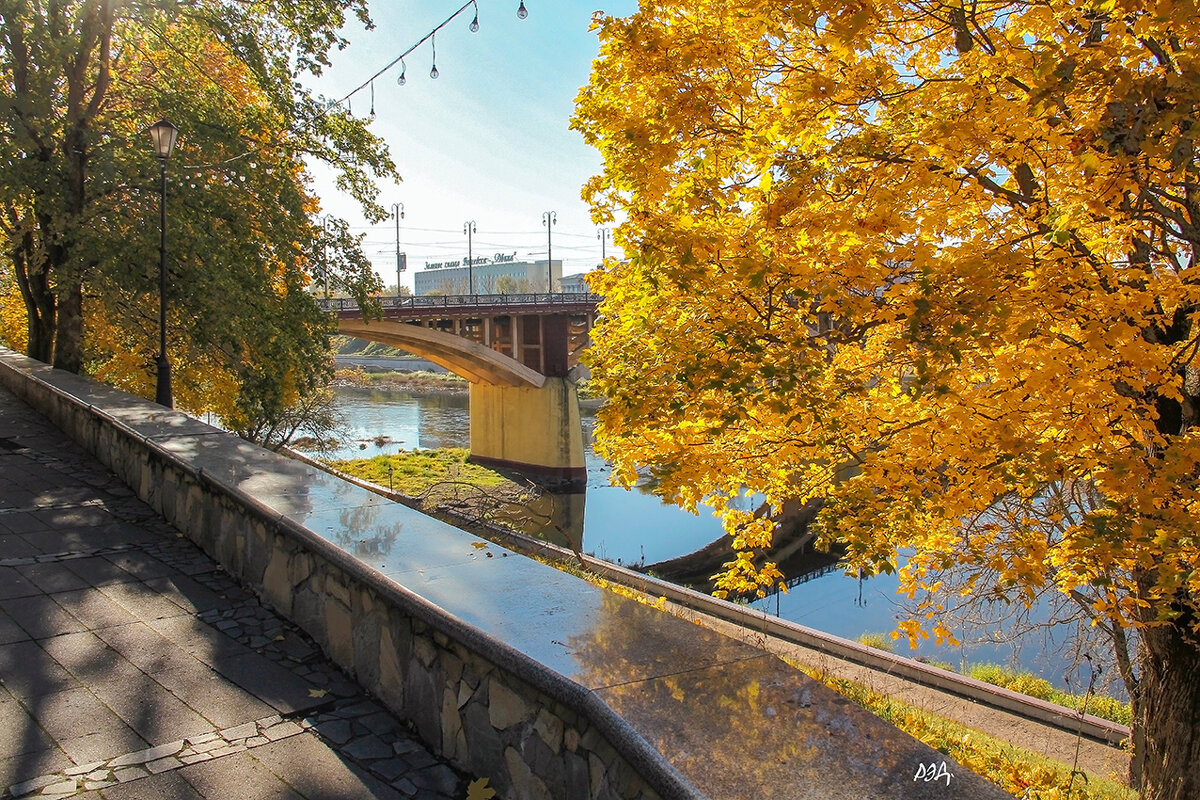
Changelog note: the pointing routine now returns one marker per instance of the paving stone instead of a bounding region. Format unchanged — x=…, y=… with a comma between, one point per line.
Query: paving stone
x=149, y=754
x=83, y=769
x=32, y=785
x=368, y=747
x=239, y=731
x=61, y=788
x=163, y=764
x=282, y=731
x=129, y=774
x=337, y=731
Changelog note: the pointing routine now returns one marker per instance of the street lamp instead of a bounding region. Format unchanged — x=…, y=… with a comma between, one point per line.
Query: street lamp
x=326, y=222
x=603, y=235
x=548, y=219
x=163, y=134
x=398, y=213
x=469, y=230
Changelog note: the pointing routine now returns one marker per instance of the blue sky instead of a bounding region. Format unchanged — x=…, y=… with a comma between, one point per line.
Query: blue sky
x=488, y=140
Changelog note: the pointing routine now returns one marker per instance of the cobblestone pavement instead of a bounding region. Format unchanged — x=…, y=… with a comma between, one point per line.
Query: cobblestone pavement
x=132, y=666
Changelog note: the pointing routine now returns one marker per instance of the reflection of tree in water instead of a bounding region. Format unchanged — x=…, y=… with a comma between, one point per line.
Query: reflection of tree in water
x=717, y=733
x=359, y=532
x=527, y=509
x=740, y=722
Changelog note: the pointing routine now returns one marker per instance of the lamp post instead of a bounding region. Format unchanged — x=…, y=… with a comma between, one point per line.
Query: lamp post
x=603, y=235
x=325, y=224
x=548, y=219
x=163, y=134
x=469, y=230
x=398, y=213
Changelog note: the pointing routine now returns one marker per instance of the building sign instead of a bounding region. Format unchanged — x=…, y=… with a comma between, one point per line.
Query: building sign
x=498, y=258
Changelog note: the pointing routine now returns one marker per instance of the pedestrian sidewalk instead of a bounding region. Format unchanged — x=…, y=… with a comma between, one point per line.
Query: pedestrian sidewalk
x=132, y=666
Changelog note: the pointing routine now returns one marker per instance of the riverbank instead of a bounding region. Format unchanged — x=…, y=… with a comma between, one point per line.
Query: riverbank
x=419, y=382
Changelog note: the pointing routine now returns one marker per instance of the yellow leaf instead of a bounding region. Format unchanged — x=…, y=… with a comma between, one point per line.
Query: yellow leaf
x=479, y=790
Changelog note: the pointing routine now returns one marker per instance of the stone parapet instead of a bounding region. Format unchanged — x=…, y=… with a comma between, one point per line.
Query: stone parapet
x=544, y=683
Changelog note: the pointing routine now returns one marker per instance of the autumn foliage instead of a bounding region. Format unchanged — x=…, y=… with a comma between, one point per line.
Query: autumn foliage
x=935, y=265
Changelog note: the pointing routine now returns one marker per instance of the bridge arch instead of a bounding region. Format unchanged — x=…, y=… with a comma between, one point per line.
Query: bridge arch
x=463, y=357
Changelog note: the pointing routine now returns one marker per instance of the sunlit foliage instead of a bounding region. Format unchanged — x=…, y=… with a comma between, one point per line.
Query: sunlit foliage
x=80, y=83
x=933, y=264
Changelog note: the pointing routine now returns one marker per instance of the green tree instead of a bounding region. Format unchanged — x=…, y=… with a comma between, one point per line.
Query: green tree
x=933, y=266
x=80, y=83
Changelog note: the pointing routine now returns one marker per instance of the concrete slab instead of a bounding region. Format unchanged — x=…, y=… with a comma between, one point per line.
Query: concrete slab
x=29, y=672
x=10, y=631
x=315, y=771
x=40, y=616
x=14, y=584
x=89, y=658
x=94, y=609
x=82, y=726
x=52, y=577
x=237, y=775
x=214, y=696
x=271, y=683
x=150, y=710
x=155, y=787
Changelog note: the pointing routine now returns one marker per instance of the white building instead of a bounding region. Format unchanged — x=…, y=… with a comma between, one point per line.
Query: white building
x=499, y=274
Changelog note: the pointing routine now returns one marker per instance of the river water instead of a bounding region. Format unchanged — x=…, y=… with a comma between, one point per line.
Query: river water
x=635, y=526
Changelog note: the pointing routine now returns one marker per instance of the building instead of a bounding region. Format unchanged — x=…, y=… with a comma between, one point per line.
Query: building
x=499, y=274
x=574, y=283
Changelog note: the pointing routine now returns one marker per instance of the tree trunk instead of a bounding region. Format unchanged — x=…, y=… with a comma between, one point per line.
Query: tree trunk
x=40, y=307
x=68, y=341
x=1168, y=714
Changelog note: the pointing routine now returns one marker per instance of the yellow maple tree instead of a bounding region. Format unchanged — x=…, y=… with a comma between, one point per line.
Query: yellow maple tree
x=933, y=267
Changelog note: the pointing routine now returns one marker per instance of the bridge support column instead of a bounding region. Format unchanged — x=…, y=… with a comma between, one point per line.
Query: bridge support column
x=533, y=430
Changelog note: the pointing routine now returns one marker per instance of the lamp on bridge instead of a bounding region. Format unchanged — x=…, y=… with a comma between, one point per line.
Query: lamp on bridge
x=163, y=134
x=398, y=213
x=548, y=219
x=469, y=230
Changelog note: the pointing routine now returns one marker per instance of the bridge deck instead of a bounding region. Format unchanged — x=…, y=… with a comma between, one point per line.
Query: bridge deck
x=470, y=305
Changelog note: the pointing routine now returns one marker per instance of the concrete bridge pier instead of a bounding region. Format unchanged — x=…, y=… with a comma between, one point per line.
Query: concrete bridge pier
x=535, y=430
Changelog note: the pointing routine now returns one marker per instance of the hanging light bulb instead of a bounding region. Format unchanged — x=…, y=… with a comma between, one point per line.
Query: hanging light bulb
x=522, y=13
x=433, y=73
x=401, y=80
x=475, y=22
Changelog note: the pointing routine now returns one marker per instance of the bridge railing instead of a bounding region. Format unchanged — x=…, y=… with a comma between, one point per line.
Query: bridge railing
x=464, y=302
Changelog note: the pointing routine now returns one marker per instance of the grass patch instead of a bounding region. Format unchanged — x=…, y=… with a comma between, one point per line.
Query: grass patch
x=1097, y=705
x=418, y=471
x=879, y=641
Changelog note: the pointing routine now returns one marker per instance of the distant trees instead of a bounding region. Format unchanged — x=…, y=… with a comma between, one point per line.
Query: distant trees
x=80, y=82
x=996, y=207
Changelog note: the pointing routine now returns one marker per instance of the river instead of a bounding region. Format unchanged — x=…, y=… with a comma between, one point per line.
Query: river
x=635, y=526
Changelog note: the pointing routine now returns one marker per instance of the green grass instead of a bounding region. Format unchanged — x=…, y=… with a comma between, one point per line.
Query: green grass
x=1033, y=686
x=1027, y=684
x=415, y=472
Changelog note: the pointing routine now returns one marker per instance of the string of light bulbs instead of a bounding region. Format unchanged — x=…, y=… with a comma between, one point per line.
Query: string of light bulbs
x=430, y=37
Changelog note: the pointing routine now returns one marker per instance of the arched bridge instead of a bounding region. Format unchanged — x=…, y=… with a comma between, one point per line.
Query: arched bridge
x=509, y=340
x=518, y=352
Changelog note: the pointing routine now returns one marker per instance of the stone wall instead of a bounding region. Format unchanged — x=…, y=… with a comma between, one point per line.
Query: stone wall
x=487, y=706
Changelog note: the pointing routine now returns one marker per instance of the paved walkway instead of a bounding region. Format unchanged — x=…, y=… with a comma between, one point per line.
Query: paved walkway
x=132, y=666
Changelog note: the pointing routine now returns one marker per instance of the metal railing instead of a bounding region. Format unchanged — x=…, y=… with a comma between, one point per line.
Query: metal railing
x=465, y=302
